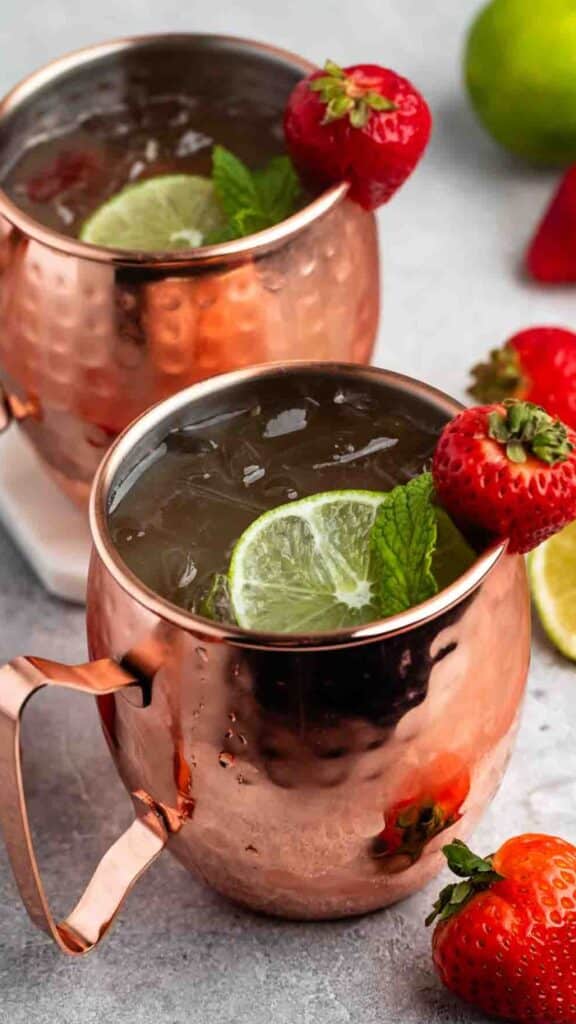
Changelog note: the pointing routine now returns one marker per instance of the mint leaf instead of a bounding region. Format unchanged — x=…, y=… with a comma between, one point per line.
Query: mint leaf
x=453, y=554
x=224, y=234
x=248, y=222
x=278, y=188
x=233, y=182
x=252, y=201
x=215, y=603
x=403, y=540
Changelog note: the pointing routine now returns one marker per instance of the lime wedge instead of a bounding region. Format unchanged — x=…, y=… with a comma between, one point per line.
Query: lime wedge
x=307, y=566
x=453, y=554
x=174, y=211
x=552, y=572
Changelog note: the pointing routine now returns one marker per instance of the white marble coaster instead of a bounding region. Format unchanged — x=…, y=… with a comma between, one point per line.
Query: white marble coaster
x=52, y=534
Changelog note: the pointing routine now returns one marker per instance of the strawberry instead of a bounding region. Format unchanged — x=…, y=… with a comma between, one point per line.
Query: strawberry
x=506, y=934
x=432, y=801
x=363, y=124
x=509, y=469
x=551, y=256
x=538, y=365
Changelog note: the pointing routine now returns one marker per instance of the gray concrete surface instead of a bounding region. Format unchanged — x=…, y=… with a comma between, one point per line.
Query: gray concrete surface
x=450, y=247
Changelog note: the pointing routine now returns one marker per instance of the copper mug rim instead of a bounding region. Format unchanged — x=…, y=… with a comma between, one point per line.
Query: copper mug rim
x=151, y=423
x=261, y=241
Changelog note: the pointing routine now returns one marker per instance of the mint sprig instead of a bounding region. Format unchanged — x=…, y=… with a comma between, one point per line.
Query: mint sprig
x=215, y=603
x=404, y=539
x=252, y=200
x=416, y=547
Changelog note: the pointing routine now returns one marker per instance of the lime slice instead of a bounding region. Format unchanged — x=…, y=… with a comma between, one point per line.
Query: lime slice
x=552, y=571
x=175, y=211
x=453, y=554
x=307, y=566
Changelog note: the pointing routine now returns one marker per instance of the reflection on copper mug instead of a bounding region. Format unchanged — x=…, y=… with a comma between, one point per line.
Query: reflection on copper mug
x=272, y=765
x=91, y=337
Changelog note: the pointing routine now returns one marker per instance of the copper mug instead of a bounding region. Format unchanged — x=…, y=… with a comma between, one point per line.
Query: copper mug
x=280, y=768
x=91, y=337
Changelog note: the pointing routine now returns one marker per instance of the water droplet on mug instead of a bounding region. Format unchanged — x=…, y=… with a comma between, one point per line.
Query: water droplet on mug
x=225, y=759
x=202, y=655
x=308, y=266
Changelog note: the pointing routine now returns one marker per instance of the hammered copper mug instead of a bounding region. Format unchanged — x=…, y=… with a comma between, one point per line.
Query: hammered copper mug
x=91, y=337
x=273, y=766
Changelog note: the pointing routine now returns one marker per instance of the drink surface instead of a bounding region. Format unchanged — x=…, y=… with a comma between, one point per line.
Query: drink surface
x=176, y=520
x=61, y=179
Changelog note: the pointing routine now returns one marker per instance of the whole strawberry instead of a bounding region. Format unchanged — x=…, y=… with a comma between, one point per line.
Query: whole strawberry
x=509, y=469
x=506, y=934
x=363, y=124
x=551, y=256
x=538, y=365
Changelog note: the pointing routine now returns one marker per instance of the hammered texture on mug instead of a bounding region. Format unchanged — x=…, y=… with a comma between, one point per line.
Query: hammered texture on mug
x=290, y=766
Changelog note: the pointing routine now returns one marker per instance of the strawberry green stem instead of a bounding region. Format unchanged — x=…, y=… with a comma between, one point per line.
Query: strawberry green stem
x=348, y=95
x=477, y=873
x=499, y=378
x=526, y=429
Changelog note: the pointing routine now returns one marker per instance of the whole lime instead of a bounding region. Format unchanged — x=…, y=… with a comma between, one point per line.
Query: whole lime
x=520, y=67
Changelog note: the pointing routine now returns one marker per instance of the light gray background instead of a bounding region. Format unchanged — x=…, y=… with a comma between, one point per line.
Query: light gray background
x=451, y=289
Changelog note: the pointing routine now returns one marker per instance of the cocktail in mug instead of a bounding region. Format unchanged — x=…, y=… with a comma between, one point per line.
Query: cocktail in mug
x=313, y=769
x=92, y=334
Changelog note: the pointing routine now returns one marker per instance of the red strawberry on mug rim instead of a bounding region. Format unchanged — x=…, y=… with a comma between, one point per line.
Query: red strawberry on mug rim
x=508, y=469
x=536, y=365
x=363, y=124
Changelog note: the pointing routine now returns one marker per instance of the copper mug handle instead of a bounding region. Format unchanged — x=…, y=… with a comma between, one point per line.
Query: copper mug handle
x=124, y=862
